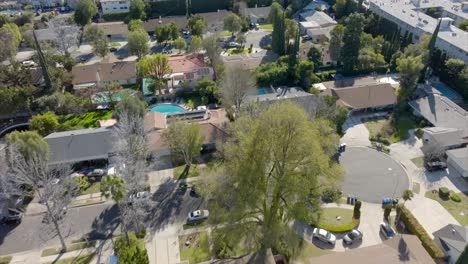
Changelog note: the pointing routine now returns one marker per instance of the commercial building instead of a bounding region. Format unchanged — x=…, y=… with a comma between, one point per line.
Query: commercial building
x=410, y=17
x=115, y=6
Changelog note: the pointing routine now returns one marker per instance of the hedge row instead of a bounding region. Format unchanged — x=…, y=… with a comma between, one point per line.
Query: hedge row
x=121, y=16
x=417, y=229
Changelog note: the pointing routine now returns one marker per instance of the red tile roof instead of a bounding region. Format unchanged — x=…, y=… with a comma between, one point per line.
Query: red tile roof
x=187, y=63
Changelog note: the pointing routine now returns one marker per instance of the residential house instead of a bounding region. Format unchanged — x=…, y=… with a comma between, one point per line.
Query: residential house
x=360, y=94
x=115, y=31
x=452, y=239
x=115, y=6
x=400, y=249
x=317, y=5
x=79, y=145
x=95, y=75
x=457, y=160
x=186, y=70
x=62, y=37
x=317, y=25
x=410, y=18
x=250, y=61
x=257, y=14
x=437, y=140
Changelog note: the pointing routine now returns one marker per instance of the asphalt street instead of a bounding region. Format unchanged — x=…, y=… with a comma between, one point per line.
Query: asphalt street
x=259, y=38
x=168, y=206
x=372, y=175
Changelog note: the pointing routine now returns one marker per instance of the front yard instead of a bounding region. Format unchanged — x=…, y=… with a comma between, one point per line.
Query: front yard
x=85, y=120
x=194, y=247
x=391, y=130
x=337, y=219
x=459, y=210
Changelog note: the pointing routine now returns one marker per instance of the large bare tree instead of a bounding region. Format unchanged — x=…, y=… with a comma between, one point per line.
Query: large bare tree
x=235, y=85
x=65, y=35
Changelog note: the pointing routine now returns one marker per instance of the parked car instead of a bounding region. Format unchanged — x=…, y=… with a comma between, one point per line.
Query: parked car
x=138, y=197
x=435, y=165
x=387, y=230
x=28, y=63
x=96, y=173
x=113, y=49
x=324, y=235
x=13, y=217
x=232, y=44
x=352, y=236
x=197, y=216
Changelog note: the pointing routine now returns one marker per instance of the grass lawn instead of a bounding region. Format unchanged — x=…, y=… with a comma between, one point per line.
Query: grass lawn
x=197, y=250
x=85, y=120
x=225, y=33
x=95, y=187
x=235, y=51
x=115, y=44
x=416, y=187
x=454, y=208
x=193, y=172
x=419, y=162
x=72, y=247
x=396, y=131
x=85, y=259
x=267, y=26
x=307, y=251
x=402, y=125
x=5, y=259
x=328, y=219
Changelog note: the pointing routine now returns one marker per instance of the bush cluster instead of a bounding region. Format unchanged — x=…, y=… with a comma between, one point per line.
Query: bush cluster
x=444, y=192
x=115, y=16
x=412, y=224
x=418, y=133
x=455, y=197
x=380, y=139
x=357, y=210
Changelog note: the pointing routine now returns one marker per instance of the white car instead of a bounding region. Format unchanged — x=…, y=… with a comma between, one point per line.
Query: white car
x=324, y=235
x=352, y=236
x=197, y=216
x=138, y=197
x=28, y=63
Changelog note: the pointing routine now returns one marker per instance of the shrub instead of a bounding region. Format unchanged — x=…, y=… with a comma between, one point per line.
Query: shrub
x=387, y=211
x=331, y=195
x=455, y=197
x=314, y=90
x=267, y=47
x=418, y=133
x=115, y=16
x=386, y=149
x=414, y=227
x=357, y=210
x=133, y=253
x=141, y=234
x=444, y=192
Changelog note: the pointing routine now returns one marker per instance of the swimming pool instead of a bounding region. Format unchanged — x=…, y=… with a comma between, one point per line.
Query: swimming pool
x=167, y=108
x=446, y=91
x=261, y=91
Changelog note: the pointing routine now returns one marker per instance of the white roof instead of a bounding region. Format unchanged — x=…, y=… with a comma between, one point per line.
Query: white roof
x=309, y=24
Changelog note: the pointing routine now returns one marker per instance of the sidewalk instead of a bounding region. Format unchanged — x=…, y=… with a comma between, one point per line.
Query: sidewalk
x=72, y=254
x=36, y=208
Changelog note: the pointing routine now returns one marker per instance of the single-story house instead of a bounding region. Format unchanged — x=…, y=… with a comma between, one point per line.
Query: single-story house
x=316, y=4
x=319, y=17
x=186, y=70
x=360, y=94
x=257, y=14
x=215, y=19
x=400, y=249
x=317, y=25
x=452, y=239
x=320, y=35
x=95, y=75
x=79, y=145
x=457, y=160
x=436, y=140
x=249, y=62
x=115, y=31
x=52, y=35
x=151, y=24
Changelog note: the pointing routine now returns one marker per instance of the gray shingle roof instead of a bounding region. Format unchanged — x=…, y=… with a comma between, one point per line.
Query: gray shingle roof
x=445, y=136
x=79, y=145
x=460, y=155
x=454, y=235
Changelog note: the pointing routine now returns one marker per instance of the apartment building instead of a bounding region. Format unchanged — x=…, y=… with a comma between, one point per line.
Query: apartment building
x=115, y=6
x=410, y=16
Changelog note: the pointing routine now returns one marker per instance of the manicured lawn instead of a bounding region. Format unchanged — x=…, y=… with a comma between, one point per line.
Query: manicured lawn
x=5, y=259
x=396, y=131
x=458, y=210
x=267, y=26
x=85, y=120
x=416, y=187
x=95, y=187
x=328, y=219
x=115, y=44
x=197, y=250
x=85, y=259
x=402, y=125
x=235, y=51
x=72, y=247
x=419, y=162
x=309, y=250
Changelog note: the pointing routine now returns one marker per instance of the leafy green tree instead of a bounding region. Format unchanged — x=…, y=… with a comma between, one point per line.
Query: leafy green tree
x=131, y=250
x=315, y=55
x=276, y=10
x=291, y=29
x=196, y=44
x=409, y=69
x=208, y=90
x=29, y=143
x=232, y=23
x=180, y=44
x=282, y=184
x=97, y=38
x=156, y=67
x=138, y=43
x=137, y=10
x=305, y=69
x=275, y=74
x=8, y=50
x=173, y=31
x=135, y=24
x=44, y=124
x=352, y=41
x=407, y=195
x=131, y=105
x=14, y=31
x=185, y=139
x=84, y=12
x=161, y=33
x=197, y=24
x=114, y=186
x=463, y=25
x=241, y=39
x=336, y=42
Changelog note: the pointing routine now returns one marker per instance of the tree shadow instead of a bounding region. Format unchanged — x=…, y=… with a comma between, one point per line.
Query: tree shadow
x=265, y=41
x=105, y=224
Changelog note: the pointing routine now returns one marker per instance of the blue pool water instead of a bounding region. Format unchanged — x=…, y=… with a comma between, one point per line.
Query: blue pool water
x=446, y=91
x=261, y=91
x=167, y=108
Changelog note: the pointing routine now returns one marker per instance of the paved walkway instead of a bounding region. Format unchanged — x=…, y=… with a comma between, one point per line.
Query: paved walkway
x=356, y=133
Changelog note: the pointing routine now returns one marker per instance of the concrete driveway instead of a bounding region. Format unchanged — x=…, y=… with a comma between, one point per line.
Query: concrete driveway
x=258, y=38
x=356, y=133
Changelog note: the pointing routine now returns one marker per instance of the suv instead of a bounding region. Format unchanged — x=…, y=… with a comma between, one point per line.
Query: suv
x=387, y=230
x=197, y=216
x=138, y=197
x=324, y=235
x=13, y=217
x=435, y=165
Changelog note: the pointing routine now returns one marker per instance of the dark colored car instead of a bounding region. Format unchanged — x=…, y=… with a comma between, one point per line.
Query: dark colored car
x=435, y=165
x=113, y=49
x=13, y=217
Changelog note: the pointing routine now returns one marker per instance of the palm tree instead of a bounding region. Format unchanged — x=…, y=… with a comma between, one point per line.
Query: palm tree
x=407, y=195
x=114, y=186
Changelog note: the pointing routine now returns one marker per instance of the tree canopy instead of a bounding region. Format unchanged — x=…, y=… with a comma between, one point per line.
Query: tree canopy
x=232, y=23
x=132, y=105
x=137, y=9
x=409, y=69
x=29, y=143
x=44, y=124
x=197, y=24
x=138, y=43
x=97, y=38
x=352, y=41
x=84, y=12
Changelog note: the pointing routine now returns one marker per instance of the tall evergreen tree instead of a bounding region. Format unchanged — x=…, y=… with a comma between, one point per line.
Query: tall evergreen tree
x=352, y=41
x=42, y=62
x=278, y=35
